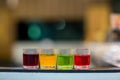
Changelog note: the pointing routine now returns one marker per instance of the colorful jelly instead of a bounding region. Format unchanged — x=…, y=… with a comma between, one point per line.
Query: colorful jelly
x=30, y=59
x=47, y=59
x=65, y=60
x=82, y=59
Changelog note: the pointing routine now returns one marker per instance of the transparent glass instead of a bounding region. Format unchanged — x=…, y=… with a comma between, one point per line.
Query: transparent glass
x=47, y=59
x=65, y=59
x=30, y=59
x=81, y=59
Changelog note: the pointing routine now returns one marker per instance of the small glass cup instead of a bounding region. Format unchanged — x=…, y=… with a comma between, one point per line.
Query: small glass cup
x=82, y=59
x=65, y=59
x=30, y=59
x=47, y=59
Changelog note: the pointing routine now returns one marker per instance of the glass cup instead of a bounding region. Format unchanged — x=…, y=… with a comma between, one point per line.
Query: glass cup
x=81, y=59
x=30, y=59
x=47, y=59
x=65, y=59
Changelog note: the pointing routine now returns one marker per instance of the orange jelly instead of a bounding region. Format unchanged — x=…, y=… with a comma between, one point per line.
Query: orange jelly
x=47, y=59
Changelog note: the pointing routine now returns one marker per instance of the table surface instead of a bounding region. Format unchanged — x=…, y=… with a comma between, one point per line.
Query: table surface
x=92, y=70
x=18, y=73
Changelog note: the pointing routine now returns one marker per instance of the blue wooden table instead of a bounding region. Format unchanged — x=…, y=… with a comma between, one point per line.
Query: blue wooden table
x=92, y=74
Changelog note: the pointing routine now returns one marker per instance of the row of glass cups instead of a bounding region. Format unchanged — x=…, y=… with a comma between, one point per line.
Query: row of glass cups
x=60, y=59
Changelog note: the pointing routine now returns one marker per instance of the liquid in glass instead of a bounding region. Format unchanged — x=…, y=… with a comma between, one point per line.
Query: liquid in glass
x=30, y=59
x=47, y=59
x=65, y=60
x=82, y=59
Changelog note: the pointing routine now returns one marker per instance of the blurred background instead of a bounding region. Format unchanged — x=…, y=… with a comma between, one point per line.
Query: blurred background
x=93, y=24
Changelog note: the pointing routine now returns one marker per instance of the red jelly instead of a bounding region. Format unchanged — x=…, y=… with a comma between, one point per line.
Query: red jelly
x=81, y=61
x=30, y=59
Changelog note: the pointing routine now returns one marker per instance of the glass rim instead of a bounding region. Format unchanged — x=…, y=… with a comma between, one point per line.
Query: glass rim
x=65, y=51
x=82, y=51
x=30, y=51
x=47, y=51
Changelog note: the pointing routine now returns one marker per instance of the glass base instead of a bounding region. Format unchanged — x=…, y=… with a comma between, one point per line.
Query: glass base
x=64, y=67
x=31, y=67
x=48, y=67
x=81, y=67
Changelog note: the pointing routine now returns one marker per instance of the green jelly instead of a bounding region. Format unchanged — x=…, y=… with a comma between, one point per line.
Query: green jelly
x=65, y=61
